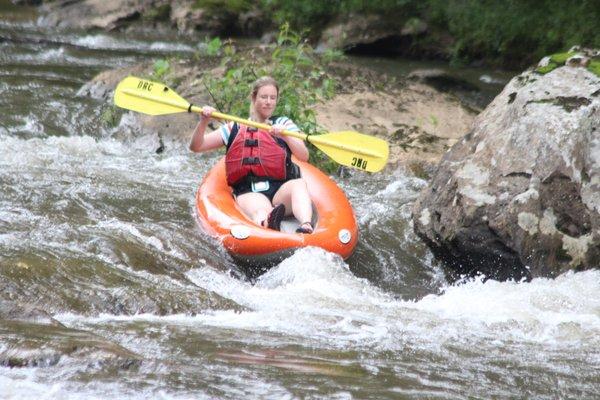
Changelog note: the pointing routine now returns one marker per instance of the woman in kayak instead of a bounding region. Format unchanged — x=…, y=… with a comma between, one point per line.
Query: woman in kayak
x=266, y=183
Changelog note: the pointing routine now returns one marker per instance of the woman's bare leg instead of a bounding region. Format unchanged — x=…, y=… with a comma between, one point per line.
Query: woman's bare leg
x=294, y=195
x=255, y=205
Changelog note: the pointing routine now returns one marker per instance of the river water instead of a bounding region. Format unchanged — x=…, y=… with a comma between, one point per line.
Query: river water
x=100, y=232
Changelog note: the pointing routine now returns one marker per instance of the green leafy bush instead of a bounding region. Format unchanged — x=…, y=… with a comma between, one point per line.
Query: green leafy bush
x=159, y=13
x=234, y=6
x=110, y=116
x=300, y=72
x=213, y=47
x=160, y=68
x=314, y=14
x=559, y=59
x=513, y=33
x=595, y=67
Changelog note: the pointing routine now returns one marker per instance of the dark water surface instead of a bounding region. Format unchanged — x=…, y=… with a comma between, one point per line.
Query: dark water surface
x=100, y=232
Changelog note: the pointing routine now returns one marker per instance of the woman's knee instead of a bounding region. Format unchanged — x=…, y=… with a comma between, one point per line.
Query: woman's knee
x=296, y=184
x=255, y=205
x=300, y=186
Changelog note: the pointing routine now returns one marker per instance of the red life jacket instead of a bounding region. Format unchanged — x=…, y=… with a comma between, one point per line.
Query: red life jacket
x=256, y=153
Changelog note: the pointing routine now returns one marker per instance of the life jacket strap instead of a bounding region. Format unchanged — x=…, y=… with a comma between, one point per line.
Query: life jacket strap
x=250, y=161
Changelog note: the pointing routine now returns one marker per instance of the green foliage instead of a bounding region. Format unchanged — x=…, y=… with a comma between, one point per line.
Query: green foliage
x=314, y=14
x=162, y=71
x=595, y=67
x=222, y=6
x=511, y=32
x=515, y=32
x=160, y=68
x=561, y=58
x=213, y=47
x=331, y=55
x=111, y=116
x=160, y=13
x=555, y=61
x=547, y=68
x=303, y=14
x=210, y=51
x=434, y=121
x=300, y=72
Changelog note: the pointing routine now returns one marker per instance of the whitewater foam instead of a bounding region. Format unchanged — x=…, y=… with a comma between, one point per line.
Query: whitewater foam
x=108, y=42
x=312, y=292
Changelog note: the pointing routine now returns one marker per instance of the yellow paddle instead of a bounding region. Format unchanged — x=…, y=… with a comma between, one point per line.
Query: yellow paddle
x=349, y=148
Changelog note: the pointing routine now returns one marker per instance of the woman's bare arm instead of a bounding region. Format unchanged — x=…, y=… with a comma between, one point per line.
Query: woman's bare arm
x=202, y=141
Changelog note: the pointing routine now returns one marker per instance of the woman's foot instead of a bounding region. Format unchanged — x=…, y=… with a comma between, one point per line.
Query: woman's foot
x=305, y=227
x=275, y=217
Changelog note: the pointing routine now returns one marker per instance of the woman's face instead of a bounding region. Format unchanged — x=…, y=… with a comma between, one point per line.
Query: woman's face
x=265, y=101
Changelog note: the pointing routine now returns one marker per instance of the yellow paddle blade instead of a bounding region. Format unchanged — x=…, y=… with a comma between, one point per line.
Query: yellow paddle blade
x=353, y=149
x=148, y=97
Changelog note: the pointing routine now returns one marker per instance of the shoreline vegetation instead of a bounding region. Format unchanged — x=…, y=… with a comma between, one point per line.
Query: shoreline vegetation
x=509, y=34
x=506, y=34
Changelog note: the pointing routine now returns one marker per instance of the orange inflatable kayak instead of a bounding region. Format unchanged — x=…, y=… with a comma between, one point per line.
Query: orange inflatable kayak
x=335, y=227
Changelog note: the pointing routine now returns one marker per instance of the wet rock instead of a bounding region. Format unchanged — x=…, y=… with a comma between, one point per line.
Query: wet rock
x=28, y=313
x=28, y=344
x=215, y=20
x=183, y=77
x=518, y=195
x=349, y=32
x=578, y=60
x=373, y=33
x=103, y=85
x=27, y=2
x=31, y=337
x=185, y=17
x=189, y=18
x=252, y=23
x=89, y=14
x=441, y=80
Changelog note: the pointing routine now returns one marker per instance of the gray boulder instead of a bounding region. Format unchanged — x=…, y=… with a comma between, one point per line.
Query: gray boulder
x=519, y=195
x=31, y=337
x=89, y=14
x=354, y=30
x=185, y=16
